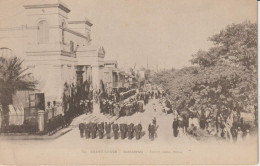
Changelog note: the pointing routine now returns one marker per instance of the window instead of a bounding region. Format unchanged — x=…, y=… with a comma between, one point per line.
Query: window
x=63, y=26
x=43, y=32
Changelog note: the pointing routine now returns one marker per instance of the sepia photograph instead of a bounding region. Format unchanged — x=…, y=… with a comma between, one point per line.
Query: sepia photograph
x=128, y=82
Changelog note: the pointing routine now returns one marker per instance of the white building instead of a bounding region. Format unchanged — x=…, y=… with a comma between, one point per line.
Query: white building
x=57, y=49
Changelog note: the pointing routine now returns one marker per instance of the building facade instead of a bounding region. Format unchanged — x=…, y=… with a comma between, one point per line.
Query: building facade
x=57, y=50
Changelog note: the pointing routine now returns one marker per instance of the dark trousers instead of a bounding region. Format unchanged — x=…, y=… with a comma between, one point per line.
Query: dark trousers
x=175, y=132
x=116, y=135
x=81, y=133
x=87, y=134
x=108, y=135
x=100, y=134
x=93, y=135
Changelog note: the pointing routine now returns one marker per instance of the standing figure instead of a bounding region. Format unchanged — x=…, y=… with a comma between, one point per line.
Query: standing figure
x=175, y=126
x=115, y=130
x=154, y=120
x=93, y=130
x=87, y=130
x=140, y=106
x=130, y=131
x=138, y=131
x=153, y=131
x=203, y=121
x=101, y=130
x=122, y=130
x=81, y=129
x=108, y=130
x=150, y=130
x=125, y=130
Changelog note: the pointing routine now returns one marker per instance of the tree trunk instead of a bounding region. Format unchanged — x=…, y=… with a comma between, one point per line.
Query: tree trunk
x=5, y=118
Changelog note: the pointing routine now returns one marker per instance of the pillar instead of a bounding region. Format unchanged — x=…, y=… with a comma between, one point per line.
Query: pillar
x=96, y=86
x=41, y=120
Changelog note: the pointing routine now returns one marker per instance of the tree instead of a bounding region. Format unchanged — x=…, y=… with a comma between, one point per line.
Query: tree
x=13, y=77
x=224, y=78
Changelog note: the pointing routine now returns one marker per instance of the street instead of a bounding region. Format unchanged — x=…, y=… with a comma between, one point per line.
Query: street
x=71, y=149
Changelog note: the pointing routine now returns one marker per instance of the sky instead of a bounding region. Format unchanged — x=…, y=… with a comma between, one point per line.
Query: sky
x=162, y=33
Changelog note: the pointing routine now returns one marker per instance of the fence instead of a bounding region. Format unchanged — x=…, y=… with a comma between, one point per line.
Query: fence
x=27, y=122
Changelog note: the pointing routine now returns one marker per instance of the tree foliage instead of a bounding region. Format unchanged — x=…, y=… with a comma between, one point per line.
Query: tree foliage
x=13, y=77
x=223, y=78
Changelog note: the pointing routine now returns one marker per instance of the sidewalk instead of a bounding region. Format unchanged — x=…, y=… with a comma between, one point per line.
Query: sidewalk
x=61, y=132
x=25, y=136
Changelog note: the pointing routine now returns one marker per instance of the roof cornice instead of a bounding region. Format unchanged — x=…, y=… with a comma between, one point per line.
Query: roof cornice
x=59, y=5
x=81, y=22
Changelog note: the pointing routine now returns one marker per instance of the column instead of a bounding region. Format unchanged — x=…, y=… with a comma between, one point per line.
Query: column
x=96, y=86
x=41, y=120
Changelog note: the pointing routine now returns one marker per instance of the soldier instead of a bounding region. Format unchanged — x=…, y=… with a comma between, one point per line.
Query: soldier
x=101, y=130
x=138, y=131
x=81, y=129
x=87, y=130
x=152, y=131
x=122, y=130
x=115, y=130
x=125, y=130
x=93, y=130
x=140, y=106
x=108, y=130
x=130, y=131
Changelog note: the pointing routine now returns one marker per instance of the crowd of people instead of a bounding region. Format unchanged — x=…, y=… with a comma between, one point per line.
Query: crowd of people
x=133, y=104
x=227, y=125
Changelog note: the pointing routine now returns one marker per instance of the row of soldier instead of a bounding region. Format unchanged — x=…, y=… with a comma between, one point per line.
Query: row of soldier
x=94, y=129
x=124, y=109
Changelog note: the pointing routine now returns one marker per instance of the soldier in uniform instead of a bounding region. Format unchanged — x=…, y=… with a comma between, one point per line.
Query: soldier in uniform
x=130, y=131
x=115, y=130
x=93, y=130
x=138, y=131
x=150, y=130
x=87, y=130
x=122, y=130
x=108, y=130
x=125, y=129
x=81, y=129
x=140, y=106
x=101, y=130
x=153, y=131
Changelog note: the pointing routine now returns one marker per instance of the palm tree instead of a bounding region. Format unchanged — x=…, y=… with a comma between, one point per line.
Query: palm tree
x=13, y=77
